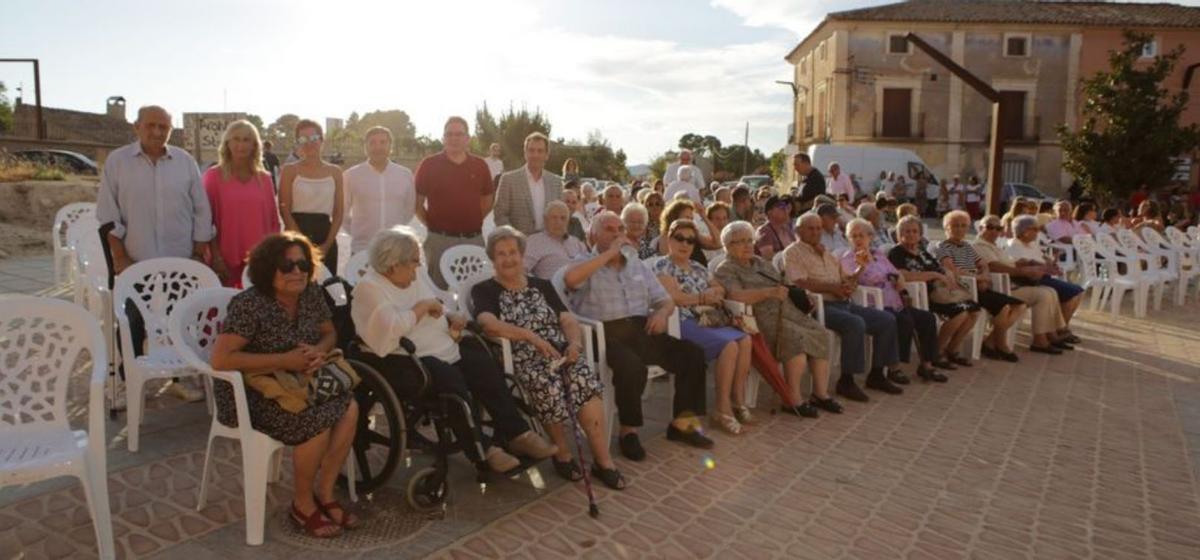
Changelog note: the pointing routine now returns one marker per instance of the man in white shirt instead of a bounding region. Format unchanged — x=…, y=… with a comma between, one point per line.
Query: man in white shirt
x=494, y=163
x=684, y=184
x=522, y=194
x=672, y=173
x=839, y=183
x=958, y=194
x=380, y=194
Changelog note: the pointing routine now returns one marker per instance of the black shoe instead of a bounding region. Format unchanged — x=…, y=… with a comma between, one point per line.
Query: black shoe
x=931, y=375
x=960, y=360
x=1045, y=350
x=944, y=364
x=991, y=353
x=1071, y=339
x=692, y=436
x=880, y=383
x=806, y=410
x=567, y=470
x=631, y=447
x=1010, y=357
x=847, y=388
x=898, y=377
x=1062, y=345
x=828, y=405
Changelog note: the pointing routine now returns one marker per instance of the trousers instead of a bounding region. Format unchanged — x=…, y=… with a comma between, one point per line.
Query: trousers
x=853, y=323
x=629, y=350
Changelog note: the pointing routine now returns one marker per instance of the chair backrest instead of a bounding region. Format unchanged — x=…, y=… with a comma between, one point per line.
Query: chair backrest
x=68, y=215
x=559, y=280
x=714, y=262
x=356, y=267
x=1085, y=251
x=40, y=343
x=463, y=293
x=461, y=262
x=83, y=235
x=1194, y=232
x=777, y=262
x=196, y=322
x=322, y=275
x=1177, y=237
x=1128, y=239
x=1154, y=239
x=155, y=286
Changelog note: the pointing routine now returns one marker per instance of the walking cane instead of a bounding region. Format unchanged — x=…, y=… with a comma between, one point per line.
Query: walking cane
x=561, y=366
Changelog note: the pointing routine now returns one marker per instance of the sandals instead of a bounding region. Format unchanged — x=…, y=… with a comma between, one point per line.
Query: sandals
x=567, y=470
x=315, y=524
x=742, y=414
x=610, y=477
x=349, y=520
x=727, y=423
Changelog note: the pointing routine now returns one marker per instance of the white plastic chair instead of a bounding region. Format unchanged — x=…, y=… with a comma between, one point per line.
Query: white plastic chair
x=1064, y=254
x=155, y=286
x=462, y=262
x=64, y=257
x=195, y=324
x=40, y=341
x=1160, y=265
x=1190, y=251
x=1113, y=281
x=356, y=267
x=82, y=234
x=1181, y=260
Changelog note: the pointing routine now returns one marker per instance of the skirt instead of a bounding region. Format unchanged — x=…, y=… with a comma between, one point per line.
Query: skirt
x=995, y=302
x=711, y=339
x=316, y=227
x=269, y=418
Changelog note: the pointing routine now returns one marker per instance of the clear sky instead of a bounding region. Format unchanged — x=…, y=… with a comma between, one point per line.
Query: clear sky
x=643, y=73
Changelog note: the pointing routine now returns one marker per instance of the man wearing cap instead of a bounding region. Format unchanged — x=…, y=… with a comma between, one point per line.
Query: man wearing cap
x=775, y=235
x=809, y=265
x=832, y=237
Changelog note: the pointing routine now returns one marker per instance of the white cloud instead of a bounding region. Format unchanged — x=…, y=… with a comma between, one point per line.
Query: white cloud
x=797, y=16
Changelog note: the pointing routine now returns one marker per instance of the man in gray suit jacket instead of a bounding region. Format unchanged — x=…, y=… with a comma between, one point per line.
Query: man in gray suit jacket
x=522, y=194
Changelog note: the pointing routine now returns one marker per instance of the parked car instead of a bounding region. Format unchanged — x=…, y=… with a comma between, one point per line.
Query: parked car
x=755, y=181
x=71, y=162
x=1023, y=190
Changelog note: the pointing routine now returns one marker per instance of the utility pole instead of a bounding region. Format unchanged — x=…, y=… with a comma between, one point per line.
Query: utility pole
x=996, y=148
x=40, y=125
x=746, y=148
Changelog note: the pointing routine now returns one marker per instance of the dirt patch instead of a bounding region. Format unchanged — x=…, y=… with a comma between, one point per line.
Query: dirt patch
x=27, y=211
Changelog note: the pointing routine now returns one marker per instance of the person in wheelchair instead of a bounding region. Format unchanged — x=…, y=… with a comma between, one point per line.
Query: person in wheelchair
x=283, y=323
x=390, y=303
x=526, y=310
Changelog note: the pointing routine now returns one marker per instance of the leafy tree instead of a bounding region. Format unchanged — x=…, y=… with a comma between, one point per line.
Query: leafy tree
x=1131, y=124
x=257, y=122
x=404, y=132
x=280, y=132
x=509, y=131
x=658, y=167
x=778, y=166
x=6, y=112
x=596, y=158
x=700, y=145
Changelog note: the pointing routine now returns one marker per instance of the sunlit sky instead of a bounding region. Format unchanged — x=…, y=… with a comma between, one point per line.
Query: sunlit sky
x=643, y=73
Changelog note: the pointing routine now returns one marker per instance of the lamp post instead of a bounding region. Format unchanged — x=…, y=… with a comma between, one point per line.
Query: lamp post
x=40, y=125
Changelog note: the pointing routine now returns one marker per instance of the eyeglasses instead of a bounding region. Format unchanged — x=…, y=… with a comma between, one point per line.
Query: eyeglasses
x=286, y=266
x=739, y=241
x=302, y=140
x=684, y=239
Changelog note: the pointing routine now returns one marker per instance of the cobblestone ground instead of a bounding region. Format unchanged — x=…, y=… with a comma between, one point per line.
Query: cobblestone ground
x=1093, y=454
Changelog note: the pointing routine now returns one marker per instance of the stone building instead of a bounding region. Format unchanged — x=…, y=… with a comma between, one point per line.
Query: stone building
x=861, y=82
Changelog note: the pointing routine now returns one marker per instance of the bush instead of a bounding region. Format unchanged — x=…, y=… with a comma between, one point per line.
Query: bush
x=13, y=169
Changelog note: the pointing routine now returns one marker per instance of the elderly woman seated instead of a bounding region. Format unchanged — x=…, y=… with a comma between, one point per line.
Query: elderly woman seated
x=795, y=337
x=552, y=248
x=1025, y=250
x=1026, y=286
x=947, y=298
x=282, y=327
x=960, y=258
x=705, y=323
x=391, y=302
x=871, y=268
x=636, y=220
x=547, y=354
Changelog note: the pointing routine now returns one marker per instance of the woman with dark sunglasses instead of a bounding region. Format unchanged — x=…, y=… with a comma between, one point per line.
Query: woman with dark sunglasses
x=310, y=194
x=283, y=324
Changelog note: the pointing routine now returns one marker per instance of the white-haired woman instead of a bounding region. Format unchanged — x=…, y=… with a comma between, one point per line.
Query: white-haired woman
x=242, y=197
x=871, y=268
x=797, y=339
x=390, y=302
x=637, y=219
x=704, y=323
x=1047, y=315
x=946, y=297
x=545, y=338
x=1027, y=252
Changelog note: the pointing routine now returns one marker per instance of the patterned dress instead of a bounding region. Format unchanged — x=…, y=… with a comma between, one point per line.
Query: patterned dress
x=261, y=319
x=693, y=278
x=787, y=329
x=537, y=308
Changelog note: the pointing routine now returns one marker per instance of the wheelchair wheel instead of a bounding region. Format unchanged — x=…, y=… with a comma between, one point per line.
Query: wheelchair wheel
x=379, y=442
x=427, y=489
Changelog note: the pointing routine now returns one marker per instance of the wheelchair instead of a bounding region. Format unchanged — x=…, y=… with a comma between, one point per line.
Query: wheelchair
x=392, y=414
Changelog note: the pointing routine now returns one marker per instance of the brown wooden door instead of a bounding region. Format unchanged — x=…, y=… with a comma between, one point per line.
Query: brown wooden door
x=1012, y=105
x=897, y=112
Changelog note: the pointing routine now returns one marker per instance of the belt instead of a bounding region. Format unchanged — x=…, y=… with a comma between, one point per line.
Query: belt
x=468, y=235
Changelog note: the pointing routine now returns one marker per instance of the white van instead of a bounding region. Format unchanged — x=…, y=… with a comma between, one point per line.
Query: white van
x=866, y=162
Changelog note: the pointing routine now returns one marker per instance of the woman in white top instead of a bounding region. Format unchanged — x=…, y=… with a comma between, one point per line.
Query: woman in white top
x=310, y=194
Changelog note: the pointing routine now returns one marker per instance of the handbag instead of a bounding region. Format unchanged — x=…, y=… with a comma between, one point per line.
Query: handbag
x=943, y=295
x=799, y=298
x=334, y=378
x=712, y=317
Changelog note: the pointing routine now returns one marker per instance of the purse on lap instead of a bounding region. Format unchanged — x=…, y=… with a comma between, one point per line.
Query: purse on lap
x=332, y=379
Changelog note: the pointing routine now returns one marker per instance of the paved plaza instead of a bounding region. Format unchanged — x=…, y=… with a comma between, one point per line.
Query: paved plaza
x=1093, y=454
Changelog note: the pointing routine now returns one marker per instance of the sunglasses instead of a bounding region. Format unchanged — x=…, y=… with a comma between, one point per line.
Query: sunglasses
x=302, y=140
x=286, y=266
x=684, y=239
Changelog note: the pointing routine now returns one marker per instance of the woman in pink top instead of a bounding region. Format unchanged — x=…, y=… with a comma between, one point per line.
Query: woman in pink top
x=243, y=203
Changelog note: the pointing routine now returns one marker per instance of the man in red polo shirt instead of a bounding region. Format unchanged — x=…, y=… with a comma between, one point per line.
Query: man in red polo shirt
x=454, y=193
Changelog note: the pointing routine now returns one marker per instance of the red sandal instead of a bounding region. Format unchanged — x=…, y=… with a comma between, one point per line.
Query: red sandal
x=349, y=521
x=315, y=524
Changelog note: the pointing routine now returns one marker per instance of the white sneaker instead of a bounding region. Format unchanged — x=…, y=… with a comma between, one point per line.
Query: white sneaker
x=183, y=391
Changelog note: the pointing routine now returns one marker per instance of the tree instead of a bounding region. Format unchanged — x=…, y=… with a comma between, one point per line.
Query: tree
x=404, y=132
x=1131, y=128
x=257, y=122
x=6, y=112
x=778, y=166
x=700, y=145
x=509, y=131
x=280, y=132
x=658, y=167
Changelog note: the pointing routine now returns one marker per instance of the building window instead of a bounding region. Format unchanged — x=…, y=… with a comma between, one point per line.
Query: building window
x=1016, y=44
x=1150, y=49
x=822, y=51
x=897, y=113
x=898, y=44
x=804, y=66
x=1012, y=103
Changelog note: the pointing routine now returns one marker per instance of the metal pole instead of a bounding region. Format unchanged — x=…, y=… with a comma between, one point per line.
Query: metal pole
x=39, y=126
x=746, y=148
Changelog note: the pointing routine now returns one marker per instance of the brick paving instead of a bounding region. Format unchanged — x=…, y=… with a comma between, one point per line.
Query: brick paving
x=1094, y=454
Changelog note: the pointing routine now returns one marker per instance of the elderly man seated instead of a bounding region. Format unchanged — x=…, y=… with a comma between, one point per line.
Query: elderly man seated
x=552, y=248
x=622, y=293
x=809, y=265
x=832, y=237
x=871, y=213
x=390, y=302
